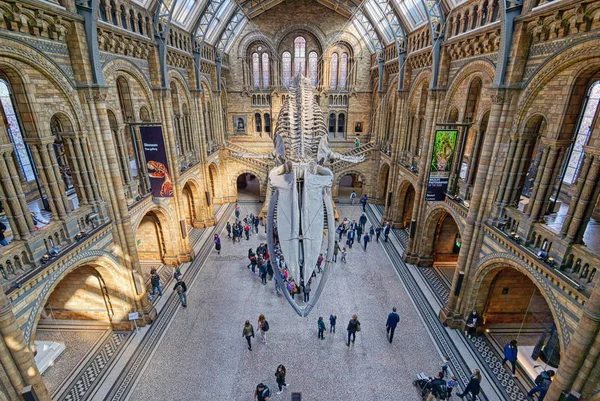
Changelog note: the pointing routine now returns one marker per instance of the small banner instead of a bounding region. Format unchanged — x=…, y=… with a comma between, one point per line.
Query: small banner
x=156, y=161
x=441, y=164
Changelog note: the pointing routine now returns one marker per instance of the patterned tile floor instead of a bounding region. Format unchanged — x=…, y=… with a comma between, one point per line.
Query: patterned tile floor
x=202, y=348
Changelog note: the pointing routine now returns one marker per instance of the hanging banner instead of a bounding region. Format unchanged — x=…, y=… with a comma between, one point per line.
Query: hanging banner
x=156, y=161
x=441, y=164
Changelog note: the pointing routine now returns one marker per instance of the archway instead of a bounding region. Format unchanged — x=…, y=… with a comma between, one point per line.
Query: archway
x=213, y=174
x=76, y=317
x=189, y=204
x=248, y=187
x=441, y=242
x=406, y=200
x=382, y=185
x=512, y=306
x=349, y=183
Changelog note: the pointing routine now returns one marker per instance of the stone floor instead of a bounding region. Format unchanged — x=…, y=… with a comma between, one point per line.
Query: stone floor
x=203, y=355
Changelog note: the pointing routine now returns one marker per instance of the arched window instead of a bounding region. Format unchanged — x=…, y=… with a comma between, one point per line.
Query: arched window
x=258, y=122
x=113, y=12
x=256, y=70
x=286, y=69
x=265, y=70
x=343, y=69
x=341, y=125
x=132, y=21
x=123, y=17
x=299, y=56
x=333, y=67
x=140, y=24
x=102, y=9
x=313, y=68
x=14, y=131
x=267, y=123
x=332, y=123
x=583, y=133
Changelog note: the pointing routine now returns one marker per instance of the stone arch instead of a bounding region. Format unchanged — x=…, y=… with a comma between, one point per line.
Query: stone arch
x=440, y=233
x=251, y=38
x=406, y=198
x=586, y=53
x=178, y=76
x=349, y=39
x=156, y=234
x=383, y=179
x=118, y=281
x=261, y=177
x=496, y=262
x=356, y=176
x=308, y=28
x=213, y=176
x=121, y=67
x=191, y=201
x=482, y=69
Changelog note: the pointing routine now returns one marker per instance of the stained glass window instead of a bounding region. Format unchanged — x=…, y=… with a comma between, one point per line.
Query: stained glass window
x=583, y=134
x=286, y=69
x=256, y=70
x=14, y=131
x=343, y=69
x=313, y=63
x=265, y=70
x=333, y=67
x=299, y=56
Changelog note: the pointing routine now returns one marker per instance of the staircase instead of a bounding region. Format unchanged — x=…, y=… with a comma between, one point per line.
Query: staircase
x=339, y=165
x=260, y=163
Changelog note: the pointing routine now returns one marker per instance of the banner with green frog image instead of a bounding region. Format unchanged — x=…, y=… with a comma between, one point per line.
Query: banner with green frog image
x=441, y=164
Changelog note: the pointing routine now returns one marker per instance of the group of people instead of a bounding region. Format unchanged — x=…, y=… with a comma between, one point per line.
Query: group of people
x=354, y=231
x=263, y=393
x=363, y=200
x=180, y=287
x=244, y=227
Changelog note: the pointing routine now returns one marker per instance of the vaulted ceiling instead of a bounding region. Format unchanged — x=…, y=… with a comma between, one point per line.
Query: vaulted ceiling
x=380, y=22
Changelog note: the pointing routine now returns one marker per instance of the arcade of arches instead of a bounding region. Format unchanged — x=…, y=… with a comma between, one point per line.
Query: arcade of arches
x=124, y=135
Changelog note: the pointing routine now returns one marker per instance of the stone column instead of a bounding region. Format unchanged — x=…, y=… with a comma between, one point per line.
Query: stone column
x=75, y=166
x=540, y=201
x=474, y=158
x=538, y=178
x=84, y=151
x=20, y=353
x=47, y=182
x=16, y=207
x=50, y=156
x=583, y=200
x=577, y=351
x=87, y=172
x=508, y=170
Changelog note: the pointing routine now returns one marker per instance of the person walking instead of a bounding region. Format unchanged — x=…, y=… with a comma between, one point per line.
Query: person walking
x=263, y=327
x=344, y=253
x=353, y=327
x=237, y=212
x=262, y=393
x=542, y=383
x=248, y=332
x=350, y=240
x=366, y=239
x=332, y=321
x=228, y=227
x=217, y=240
x=364, y=201
x=280, y=378
x=474, y=386
x=439, y=389
x=392, y=322
x=262, y=272
x=444, y=365
x=359, y=232
x=319, y=262
x=336, y=250
x=352, y=197
x=510, y=355
x=321, y=327
x=452, y=384
x=270, y=271
x=155, y=281
x=247, y=231
x=181, y=290
x=378, y=233
x=363, y=221
x=307, y=290
x=386, y=232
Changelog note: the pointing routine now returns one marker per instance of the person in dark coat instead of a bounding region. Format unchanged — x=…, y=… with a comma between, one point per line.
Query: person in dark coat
x=321, y=327
x=181, y=290
x=263, y=272
x=353, y=327
x=363, y=221
x=542, y=383
x=392, y=322
x=228, y=227
x=364, y=201
x=473, y=387
x=377, y=233
x=332, y=320
x=217, y=240
x=471, y=324
x=280, y=378
x=510, y=354
x=386, y=232
x=366, y=239
x=248, y=332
